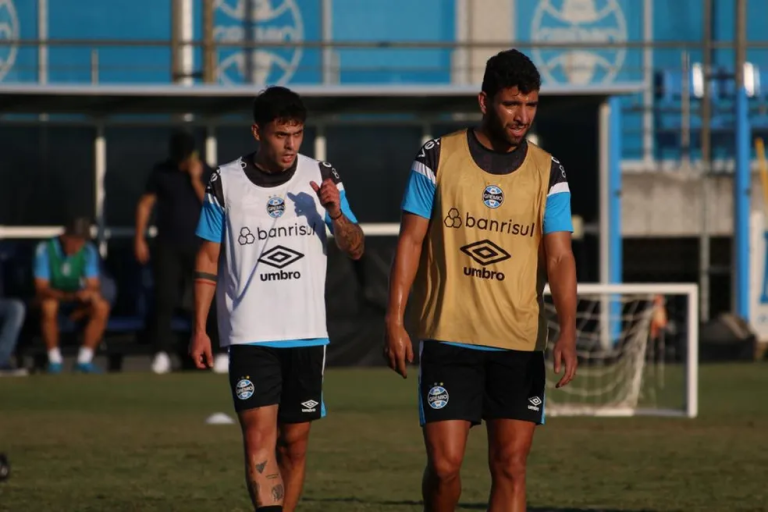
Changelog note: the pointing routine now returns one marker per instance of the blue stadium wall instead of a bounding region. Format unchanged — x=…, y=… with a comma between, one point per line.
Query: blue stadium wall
x=53, y=165
x=425, y=20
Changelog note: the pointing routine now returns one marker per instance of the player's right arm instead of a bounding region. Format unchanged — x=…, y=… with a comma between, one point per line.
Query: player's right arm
x=210, y=229
x=417, y=211
x=143, y=212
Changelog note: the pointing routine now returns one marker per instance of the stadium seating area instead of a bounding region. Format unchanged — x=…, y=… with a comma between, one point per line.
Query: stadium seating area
x=670, y=88
x=126, y=284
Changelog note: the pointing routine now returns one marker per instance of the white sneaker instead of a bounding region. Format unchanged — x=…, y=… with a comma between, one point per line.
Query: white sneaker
x=221, y=363
x=13, y=372
x=161, y=363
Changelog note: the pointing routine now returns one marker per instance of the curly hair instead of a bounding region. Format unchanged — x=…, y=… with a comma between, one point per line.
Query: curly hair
x=278, y=103
x=510, y=68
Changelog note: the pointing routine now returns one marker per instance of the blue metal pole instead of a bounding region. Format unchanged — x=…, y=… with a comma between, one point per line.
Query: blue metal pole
x=614, y=198
x=741, y=186
x=614, y=216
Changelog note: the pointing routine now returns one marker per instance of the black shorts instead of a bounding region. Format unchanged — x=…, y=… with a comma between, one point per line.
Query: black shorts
x=458, y=383
x=289, y=377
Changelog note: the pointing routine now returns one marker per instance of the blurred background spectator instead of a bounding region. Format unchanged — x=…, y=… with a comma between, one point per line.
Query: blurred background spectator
x=67, y=282
x=176, y=188
x=12, y=312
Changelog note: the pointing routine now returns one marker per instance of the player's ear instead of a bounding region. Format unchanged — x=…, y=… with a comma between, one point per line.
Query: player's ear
x=256, y=132
x=482, y=100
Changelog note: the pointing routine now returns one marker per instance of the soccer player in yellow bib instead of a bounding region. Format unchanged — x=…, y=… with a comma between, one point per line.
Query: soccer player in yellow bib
x=486, y=223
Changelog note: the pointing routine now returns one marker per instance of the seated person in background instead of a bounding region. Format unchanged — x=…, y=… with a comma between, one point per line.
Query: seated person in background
x=67, y=281
x=11, y=320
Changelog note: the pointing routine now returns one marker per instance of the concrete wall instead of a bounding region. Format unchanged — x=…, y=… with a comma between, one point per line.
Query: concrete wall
x=669, y=204
x=487, y=21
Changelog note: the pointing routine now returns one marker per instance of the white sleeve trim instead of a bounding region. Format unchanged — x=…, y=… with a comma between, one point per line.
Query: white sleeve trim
x=212, y=200
x=424, y=171
x=559, y=188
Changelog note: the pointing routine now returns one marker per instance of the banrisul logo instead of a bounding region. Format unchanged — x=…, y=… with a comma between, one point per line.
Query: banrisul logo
x=455, y=220
x=272, y=21
x=493, y=196
x=579, y=21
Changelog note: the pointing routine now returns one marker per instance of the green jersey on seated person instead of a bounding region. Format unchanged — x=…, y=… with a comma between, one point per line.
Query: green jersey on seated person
x=64, y=272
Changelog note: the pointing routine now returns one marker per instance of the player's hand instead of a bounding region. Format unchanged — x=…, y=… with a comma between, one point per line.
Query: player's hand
x=200, y=350
x=141, y=249
x=85, y=295
x=565, y=356
x=329, y=196
x=194, y=167
x=398, y=349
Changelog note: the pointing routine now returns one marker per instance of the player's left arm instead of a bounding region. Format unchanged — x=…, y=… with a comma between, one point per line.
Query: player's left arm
x=91, y=271
x=339, y=217
x=561, y=269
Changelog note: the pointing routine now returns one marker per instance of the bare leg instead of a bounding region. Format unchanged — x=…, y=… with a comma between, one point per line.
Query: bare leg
x=509, y=442
x=292, y=459
x=262, y=475
x=98, y=313
x=441, y=485
x=49, y=322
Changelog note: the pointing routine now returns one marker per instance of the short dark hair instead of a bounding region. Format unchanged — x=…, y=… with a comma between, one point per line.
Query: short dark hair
x=181, y=145
x=510, y=68
x=78, y=227
x=278, y=103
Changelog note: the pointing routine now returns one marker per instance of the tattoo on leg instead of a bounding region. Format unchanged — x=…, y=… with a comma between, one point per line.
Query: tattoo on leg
x=277, y=492
x=260, y=467
x=273, y=476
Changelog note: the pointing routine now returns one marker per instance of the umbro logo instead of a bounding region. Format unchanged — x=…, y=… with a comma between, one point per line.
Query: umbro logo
x=280, y=257
x=535, y=403
x=485, y=252
x=309, y=406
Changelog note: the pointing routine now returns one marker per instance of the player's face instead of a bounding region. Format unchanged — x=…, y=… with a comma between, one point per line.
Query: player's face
x=72, y=244
x=509, y=115
x=279, y=142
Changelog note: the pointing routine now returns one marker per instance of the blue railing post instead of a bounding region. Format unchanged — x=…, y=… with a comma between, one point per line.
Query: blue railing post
x=615, y=263
x=741, y=189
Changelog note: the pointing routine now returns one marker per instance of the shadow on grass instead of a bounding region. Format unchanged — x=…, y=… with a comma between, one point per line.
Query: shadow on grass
x=462, y=506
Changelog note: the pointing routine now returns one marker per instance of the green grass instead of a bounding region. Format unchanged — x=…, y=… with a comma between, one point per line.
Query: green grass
x=139, y=442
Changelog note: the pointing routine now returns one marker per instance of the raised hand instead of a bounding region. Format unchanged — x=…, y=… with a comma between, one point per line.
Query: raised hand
x=329, y=196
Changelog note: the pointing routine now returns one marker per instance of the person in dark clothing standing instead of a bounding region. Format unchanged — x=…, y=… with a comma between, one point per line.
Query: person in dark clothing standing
x=176, y=187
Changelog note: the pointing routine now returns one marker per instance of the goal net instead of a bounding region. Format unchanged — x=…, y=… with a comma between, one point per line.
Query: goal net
x=637, y=352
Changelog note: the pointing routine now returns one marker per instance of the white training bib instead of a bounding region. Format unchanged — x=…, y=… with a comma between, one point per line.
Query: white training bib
x=272, y=274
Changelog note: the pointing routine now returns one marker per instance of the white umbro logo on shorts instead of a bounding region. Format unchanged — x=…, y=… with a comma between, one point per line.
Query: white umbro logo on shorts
x=535, y=403
x=309, y=406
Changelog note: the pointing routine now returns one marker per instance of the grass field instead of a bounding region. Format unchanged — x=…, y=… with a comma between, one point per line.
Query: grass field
x=138, y=442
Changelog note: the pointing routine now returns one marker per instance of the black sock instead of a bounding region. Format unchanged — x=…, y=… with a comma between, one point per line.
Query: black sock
x=273, y=508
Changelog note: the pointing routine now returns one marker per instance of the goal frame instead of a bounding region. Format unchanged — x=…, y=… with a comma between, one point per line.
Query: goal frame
x=690, y=290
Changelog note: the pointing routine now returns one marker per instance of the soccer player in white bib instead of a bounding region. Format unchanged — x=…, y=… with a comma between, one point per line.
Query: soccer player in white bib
x=264, y=254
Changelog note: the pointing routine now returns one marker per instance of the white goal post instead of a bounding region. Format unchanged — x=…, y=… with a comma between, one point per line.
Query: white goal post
x=637, y=346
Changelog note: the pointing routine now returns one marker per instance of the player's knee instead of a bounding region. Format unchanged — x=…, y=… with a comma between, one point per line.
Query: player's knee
x=508, y=464
x=445, y=467
x=294, y=451
x=100, y=309
x=292, y=444
x=258, y=441
x=49, y=309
